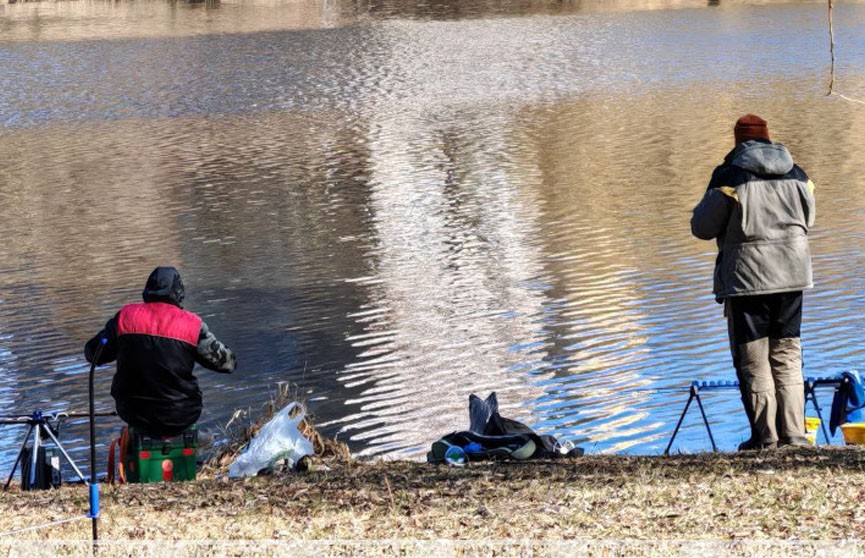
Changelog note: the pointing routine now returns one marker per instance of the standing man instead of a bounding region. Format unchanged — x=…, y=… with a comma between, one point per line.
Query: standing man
x=156, y=345
x=759, y=206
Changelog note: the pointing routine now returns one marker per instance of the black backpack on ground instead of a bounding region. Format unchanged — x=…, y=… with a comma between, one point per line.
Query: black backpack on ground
x=494, y=437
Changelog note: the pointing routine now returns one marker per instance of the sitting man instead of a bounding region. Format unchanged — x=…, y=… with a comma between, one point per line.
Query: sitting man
x=156, y=345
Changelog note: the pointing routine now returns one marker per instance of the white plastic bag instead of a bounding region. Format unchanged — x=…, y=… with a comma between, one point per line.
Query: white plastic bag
x=278, y=440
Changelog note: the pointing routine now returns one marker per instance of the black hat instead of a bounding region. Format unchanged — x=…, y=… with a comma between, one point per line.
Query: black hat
x=164, y=285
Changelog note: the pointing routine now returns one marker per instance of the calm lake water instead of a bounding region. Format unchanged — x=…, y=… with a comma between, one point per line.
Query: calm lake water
x=393, y=206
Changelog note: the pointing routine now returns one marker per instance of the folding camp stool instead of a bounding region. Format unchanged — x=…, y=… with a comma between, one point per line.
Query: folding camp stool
x=696, y=387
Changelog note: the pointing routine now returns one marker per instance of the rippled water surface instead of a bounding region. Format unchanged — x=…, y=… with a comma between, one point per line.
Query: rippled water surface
x=395, y=206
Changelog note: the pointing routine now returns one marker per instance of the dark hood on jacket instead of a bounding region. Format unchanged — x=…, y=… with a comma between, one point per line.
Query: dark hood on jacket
x=164, y=285
x=762, y=158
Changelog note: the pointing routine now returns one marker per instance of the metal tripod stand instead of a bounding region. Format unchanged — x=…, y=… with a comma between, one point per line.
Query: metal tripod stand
x=40, y=427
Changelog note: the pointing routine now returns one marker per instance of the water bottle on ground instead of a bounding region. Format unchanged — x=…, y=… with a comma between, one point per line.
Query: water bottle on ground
x=456, y=456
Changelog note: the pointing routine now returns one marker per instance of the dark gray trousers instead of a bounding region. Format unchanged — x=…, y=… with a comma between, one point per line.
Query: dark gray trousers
x=765, y=342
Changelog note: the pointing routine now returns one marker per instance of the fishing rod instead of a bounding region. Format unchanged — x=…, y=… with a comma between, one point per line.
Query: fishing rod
x=58, y=416
x=94, y=484
x=39, y=424
x=706, y=385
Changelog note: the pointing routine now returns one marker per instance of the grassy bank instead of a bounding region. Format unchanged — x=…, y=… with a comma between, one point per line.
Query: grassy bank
x=774, y=496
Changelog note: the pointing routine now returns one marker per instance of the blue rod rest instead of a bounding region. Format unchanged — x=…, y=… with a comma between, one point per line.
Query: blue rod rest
x=703, y=385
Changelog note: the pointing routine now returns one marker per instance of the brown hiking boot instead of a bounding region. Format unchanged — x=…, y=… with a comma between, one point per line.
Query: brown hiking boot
x=796, y=442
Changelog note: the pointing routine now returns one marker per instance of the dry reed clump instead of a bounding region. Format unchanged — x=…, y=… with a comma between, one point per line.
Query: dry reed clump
x=241, y=429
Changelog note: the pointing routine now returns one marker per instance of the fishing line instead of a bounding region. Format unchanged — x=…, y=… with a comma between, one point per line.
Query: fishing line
x=831, y=53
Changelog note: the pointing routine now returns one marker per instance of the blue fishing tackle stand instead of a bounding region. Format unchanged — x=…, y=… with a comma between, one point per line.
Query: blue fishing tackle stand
x=696, y=387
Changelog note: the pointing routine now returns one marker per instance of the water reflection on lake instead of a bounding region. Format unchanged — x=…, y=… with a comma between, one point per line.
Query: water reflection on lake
x=392, y=207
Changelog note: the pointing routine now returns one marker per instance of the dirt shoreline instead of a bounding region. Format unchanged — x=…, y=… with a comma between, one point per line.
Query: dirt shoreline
x=789, y=497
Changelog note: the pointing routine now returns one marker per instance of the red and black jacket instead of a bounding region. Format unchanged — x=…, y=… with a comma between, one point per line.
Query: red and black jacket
x=156, y=345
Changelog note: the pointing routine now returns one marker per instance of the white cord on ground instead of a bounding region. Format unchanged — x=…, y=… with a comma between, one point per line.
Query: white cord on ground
x=34, y=527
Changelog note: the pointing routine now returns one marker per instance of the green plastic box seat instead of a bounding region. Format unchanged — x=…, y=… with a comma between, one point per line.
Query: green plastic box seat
x=156, y=459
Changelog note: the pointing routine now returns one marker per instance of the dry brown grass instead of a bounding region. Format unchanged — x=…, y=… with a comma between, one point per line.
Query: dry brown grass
x=597, y=501
x=813, y=495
